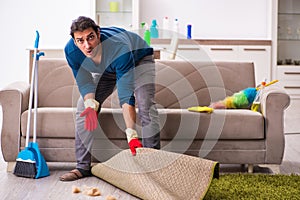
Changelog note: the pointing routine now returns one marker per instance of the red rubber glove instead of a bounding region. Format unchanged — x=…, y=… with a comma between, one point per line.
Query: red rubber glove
x=91, y=119
x=133, y=144
x=90, y=113
x=133, y=140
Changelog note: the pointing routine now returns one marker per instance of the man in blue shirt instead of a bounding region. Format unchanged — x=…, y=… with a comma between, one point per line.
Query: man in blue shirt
x=102, y=58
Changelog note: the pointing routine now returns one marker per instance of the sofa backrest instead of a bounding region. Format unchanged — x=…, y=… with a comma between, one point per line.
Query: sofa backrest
x=56, y=85
x=179, y=84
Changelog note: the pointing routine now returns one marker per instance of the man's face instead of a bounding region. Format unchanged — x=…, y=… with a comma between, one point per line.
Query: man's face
x=88, y=42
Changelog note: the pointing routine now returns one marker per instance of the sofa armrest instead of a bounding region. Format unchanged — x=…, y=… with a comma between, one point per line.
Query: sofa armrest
x=274, y=101
x=14, y=100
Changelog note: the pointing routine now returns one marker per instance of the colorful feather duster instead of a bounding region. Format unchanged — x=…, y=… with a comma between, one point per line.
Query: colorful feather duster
x=241, y=99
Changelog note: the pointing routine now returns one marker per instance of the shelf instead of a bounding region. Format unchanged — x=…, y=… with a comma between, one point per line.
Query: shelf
x=109, y=12
x=285, y=39
x=288, y=26
x=288, y=13
x=285, y=65
x=120, y=13
x=119, y=19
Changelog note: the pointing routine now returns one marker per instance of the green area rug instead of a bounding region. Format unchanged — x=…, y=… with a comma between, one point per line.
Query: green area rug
x=254, y=186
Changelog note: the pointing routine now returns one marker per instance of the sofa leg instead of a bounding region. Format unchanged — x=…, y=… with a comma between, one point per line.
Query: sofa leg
x=10, y=166
x=250, y=168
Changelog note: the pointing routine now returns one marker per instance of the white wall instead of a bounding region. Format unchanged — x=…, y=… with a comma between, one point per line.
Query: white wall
x=211, y=19
x=214, y=19
x=20, y=19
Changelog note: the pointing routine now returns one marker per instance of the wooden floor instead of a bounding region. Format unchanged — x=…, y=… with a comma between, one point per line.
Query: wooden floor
x=15, y=188
x=291, y=161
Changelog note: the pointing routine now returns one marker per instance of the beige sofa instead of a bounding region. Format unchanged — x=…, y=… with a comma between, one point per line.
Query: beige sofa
x=236, y=136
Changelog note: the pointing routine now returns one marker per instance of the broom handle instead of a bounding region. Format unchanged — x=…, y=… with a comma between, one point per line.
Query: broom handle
x=267, y=84
x=272, y=82
x=36, y=86
x=30, y=99
x=35, y=100
x=31, y=88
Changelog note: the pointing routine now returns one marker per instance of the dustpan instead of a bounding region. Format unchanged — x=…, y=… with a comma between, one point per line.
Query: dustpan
x=42, y=169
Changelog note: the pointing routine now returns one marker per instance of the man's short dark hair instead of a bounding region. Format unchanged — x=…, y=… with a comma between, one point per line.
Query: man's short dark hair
x=82, y=23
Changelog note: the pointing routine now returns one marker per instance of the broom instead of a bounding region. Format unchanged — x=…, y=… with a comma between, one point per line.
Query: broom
x=42, y=169
x=26, y=162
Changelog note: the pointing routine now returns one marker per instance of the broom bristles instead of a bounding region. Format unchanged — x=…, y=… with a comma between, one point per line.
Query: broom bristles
x=25, y=169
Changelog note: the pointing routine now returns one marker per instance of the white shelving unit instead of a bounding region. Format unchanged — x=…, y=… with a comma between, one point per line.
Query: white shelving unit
x=288, y=59
x=121, y=13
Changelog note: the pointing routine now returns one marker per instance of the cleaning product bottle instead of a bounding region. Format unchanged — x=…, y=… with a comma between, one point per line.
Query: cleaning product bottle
x=153, y=29
x=256, y=103
x=147, y=34
x=189, y=31
x=166, y=27
x=176, y=27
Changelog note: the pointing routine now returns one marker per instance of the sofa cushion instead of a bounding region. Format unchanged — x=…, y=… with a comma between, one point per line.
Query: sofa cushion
x=184, y=125
x=54, y=122
x=228, y=124
x=175, y=123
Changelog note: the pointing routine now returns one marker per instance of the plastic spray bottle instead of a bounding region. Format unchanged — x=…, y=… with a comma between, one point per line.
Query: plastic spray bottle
x=176, y=27
x=153, y=29
x=147, y=34
x=166, y=27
